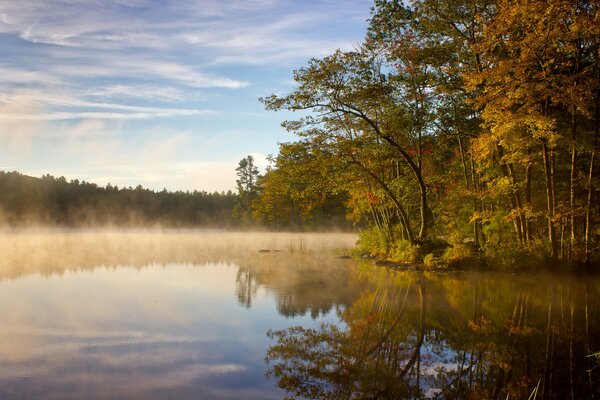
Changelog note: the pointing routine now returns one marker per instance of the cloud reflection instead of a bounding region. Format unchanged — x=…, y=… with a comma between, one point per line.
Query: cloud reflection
x=149, y=314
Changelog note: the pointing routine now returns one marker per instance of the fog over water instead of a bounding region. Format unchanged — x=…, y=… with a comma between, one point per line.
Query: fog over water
x=188, y=314
x=157, y=314
x=56, y=251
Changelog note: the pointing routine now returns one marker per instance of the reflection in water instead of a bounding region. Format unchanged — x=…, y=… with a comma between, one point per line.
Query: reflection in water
x=155, y=315
x=425, y=336
x=167, y=332
x=151, y=315
x=313, y=284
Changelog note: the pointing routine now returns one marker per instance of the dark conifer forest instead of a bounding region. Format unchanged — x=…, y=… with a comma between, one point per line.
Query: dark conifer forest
x=50, y=201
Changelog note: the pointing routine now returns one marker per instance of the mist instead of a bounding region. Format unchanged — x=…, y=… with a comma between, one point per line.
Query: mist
x=157, y=313
x=56, y=251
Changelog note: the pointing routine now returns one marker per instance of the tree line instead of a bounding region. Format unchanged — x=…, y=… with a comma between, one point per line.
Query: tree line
x=471, y=121
x=50, y=201
x=54, y=201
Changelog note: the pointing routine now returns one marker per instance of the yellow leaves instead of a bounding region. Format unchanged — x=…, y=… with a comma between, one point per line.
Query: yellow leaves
x=543, y=128
x=530, y=52
x=500, y=186
x=483, y=149
x=513, y=215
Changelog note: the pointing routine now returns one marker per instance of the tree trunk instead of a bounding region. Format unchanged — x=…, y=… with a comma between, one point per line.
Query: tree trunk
x=518, y=202
x=572, y=183
x=422, y=187
x=549, y=198
x=588, y=206
x=477, y=205
x=462, y=160
x=528, y=200
x=468, y=186
x=401, y=212
x=590, y=177
x=414, y=167
x=508, y=172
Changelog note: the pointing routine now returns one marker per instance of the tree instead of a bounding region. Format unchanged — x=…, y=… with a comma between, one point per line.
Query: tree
x=51, y=201
x=302, y=187
x=357, y=105
x=247, y=187
x=430, y=44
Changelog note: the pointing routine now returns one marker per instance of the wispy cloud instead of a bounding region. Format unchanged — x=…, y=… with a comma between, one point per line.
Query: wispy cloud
x=232, y=30
x=142, y=68
x=59, y=116
x=89, y=84
x=34, y=107
x=144, y=92
x=26, y=76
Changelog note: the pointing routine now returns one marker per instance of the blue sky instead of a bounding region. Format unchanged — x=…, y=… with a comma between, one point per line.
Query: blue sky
x=155, y=92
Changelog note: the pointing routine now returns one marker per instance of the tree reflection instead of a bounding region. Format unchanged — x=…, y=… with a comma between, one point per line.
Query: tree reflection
x=378, y=356
x=300, y=285
x=419, y=336
x=245, y=286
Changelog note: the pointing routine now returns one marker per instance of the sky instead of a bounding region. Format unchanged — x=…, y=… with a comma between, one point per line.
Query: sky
x=158, y=93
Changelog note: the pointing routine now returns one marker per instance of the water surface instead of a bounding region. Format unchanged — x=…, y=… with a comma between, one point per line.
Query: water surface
x=187, y=315
x=157, y=315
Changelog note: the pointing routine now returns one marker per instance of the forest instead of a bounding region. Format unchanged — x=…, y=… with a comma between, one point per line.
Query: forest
x=50, y=201
x=461, y=129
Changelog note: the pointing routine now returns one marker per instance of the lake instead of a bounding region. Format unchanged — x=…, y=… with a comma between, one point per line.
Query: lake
x=186, y=314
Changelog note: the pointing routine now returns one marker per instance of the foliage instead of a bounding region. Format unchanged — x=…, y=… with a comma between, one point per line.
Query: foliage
x=431, y=261
x=297, y=192
x=51, y=201
x=404, y=251
x=472, y=117
x=373, y=241
x=247, y=187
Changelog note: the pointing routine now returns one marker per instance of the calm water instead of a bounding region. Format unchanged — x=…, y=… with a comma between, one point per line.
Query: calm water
x=190, y=315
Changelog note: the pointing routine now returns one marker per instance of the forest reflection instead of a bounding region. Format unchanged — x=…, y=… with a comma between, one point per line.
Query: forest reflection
x=300, y=270
x=453, y=337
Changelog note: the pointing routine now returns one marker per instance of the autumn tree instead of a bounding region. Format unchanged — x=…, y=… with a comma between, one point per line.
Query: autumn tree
x=465, y=119
x=536, y=90
x=355, y=104
x=430, y=44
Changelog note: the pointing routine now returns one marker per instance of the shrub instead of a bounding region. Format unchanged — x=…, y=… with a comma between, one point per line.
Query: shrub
x=372, y=241
x=403, y=251
x=458, y=250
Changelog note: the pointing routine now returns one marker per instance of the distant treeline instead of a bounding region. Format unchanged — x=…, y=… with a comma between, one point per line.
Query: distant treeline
x=50, y=201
